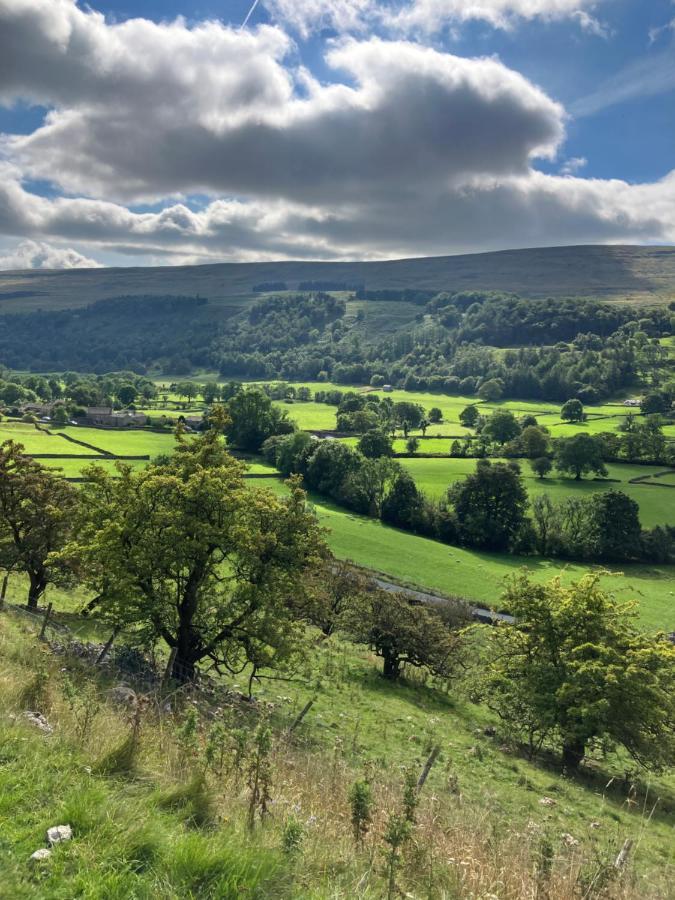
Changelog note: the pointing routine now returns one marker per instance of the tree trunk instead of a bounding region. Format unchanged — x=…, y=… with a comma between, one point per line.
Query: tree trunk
x=38, y=585
x=573, y=752
x=392, y=665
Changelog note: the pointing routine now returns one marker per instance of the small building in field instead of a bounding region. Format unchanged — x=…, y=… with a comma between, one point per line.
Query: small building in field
x=387, y=388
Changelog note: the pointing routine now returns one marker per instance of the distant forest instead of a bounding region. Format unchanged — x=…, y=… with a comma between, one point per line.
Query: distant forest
x=451, y=342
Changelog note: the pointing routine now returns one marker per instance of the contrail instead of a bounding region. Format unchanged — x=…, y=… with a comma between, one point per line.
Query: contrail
x=250, y=13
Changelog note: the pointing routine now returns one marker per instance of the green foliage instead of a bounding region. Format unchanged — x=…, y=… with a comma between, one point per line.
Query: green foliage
x=174, y=531
x=361, y=802
x=402, y=634
x=578, y=455
x=501, y=426
x=572, y=411
x=541, y=466
x=259, y=775
x=490, y=505
x=375, y=443
x=36, y=517
x=469, y=416
x=253, y=419
x=574, y=671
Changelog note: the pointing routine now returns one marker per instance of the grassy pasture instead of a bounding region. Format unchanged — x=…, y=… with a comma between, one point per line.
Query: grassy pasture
x=657, y=507
x=35, y=441
x=477, y=576
x=122, y=442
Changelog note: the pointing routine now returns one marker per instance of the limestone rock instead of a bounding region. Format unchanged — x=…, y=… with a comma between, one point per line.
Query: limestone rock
x=58, y=833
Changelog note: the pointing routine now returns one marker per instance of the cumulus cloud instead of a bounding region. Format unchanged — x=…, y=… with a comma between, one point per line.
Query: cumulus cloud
x=145, y=111
x=38, y=255
x=406, y=151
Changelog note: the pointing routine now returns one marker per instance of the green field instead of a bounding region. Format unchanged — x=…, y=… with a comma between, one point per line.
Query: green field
x=122, y=442
x=476, y=576
x=72, y=468
x=657, y=505
x=35, y=441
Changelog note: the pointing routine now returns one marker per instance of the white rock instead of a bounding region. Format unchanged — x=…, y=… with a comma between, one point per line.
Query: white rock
x=58, y=833
x=547, y=801
x=38, y=720
x=41, y=855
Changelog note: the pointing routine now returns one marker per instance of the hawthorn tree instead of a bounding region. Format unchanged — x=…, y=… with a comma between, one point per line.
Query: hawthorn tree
x=37, y=509
x=183, y=552
x=575, y=671
x=402, y=633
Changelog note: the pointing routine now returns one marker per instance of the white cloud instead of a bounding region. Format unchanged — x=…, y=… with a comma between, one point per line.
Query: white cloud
x=426, y=16
x=408, y=151
x=144, y=111
x=573, y=165
x=38, y=255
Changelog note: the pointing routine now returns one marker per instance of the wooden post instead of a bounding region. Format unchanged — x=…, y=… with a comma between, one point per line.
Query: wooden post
x=45, y=622
x=106, y=649
x=166, y=678
x=301, y=715
x=3, y=590
x=433, y=756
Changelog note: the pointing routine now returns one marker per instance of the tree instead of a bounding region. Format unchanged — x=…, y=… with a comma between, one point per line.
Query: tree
x=412, y=445
x=331, y=591
x=210, y=392
x=490, y=505
x=402, y=634
x=612, y=527
x=407, y=415
x=501, y=426
x=37, y=508
x=59, y=416
x=541, y=466
x=469, y=416
x=533, y=442
x=183, y=552
x=575, y=670
x=375, y=443
x=126, y=394
x=655, y=402
x=572, y=411
x=579, y=454
x=403, y=506
x=253, y=418
x=435, y=415
x=329, y=465
x=491, y=390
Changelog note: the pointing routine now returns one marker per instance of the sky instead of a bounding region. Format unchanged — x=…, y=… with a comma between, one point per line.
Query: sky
x=140, y=132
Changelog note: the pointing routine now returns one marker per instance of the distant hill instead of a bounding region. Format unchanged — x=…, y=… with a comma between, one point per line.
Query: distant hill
x=616, y=273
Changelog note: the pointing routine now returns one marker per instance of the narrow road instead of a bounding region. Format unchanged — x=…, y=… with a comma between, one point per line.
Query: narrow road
x=480, y=613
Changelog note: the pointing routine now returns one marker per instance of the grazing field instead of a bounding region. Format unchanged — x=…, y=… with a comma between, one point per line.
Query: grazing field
x=477, y=576
x=657, y=505
x=35, y=441
x=122, y=442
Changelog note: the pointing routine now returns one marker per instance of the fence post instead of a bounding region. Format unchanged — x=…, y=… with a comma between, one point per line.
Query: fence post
x=3, y=591
x=166, y=677
x=106, y=649
x=433, y=756
x=301, y=715
x=45, y=622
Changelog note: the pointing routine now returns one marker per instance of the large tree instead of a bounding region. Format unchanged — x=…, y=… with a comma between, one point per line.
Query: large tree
x=36, y=516
x=490, y=505
x=578, y=455
x=253, y=419
x=183, y=552
x=613, y=527
x=402, y=633
x=501, y=426
x=575, y=670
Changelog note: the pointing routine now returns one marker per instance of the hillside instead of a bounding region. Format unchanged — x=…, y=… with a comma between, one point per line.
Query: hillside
x=620, y=273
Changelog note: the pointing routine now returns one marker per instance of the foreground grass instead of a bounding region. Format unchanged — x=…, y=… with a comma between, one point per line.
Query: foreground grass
x=151, y=830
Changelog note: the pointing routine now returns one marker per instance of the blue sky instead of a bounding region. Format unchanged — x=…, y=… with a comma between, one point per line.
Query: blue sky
x=331, y=130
